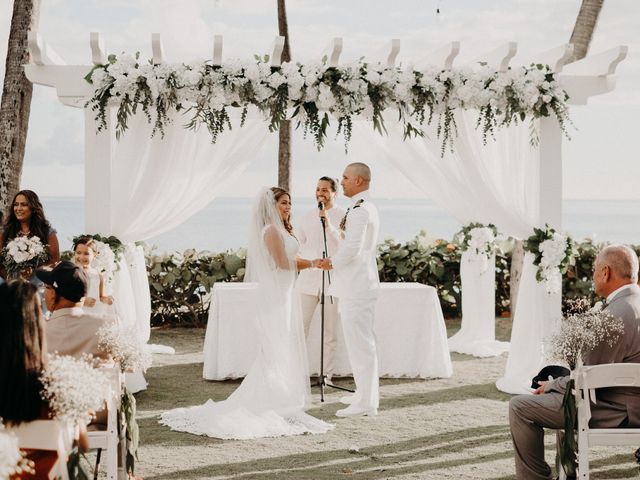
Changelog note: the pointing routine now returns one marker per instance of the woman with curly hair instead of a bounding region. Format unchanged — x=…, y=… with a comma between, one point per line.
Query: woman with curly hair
x=26, y=218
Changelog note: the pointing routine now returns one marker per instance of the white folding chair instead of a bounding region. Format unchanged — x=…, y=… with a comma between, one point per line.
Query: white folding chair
x=588, y=379
x=47, y=435
x=108, y=440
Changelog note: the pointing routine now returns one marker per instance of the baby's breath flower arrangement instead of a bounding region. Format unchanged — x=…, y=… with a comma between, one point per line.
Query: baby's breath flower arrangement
x=125, y=347
x=73, y=388
x=313, y=92
x=123, y=344
x=581, y=330
x=12, y=460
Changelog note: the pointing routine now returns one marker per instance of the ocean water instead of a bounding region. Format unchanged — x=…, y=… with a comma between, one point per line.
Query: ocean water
x=225, y=222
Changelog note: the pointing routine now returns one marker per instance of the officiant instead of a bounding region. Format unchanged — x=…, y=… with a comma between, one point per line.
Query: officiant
x=309, y=283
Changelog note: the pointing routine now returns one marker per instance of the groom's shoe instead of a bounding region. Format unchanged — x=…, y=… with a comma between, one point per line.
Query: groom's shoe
x=353, y=411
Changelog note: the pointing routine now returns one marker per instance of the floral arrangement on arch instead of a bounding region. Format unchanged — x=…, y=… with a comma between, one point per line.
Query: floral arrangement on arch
x=109, y=253
x=481, y=241
x=554, y=253
x=23, y=252
x=313, y=91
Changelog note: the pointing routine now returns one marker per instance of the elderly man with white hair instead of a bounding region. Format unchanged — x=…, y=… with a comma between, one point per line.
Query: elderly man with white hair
x=615, y=277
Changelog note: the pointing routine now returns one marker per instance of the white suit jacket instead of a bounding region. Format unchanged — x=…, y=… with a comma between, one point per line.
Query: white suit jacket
x=355, y=270
x=312, y=245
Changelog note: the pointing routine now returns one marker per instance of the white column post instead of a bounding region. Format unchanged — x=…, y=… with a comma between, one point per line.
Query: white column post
x=98, y=151
x=550, y=198
x=551, y=172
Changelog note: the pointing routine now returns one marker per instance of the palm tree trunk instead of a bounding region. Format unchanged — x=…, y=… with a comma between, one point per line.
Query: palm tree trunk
x=16, y=99
x=585, y=26
x=284, y=133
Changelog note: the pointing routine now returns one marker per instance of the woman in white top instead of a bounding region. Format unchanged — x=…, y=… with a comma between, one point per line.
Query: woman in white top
x=272, y=398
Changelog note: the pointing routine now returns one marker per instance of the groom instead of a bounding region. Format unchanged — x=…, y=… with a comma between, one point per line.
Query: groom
x=355, y=283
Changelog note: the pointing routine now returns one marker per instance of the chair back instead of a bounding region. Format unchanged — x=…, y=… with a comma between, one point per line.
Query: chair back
x=47, y=435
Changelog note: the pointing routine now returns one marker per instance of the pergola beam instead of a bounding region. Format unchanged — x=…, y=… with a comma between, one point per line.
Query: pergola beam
x=278, y=47
x=98, y=50
x=331, y=54
x=157, y=49
x=443, y=56
x=499, y=57
x=41, y=53
x=217, y=49
x=598, y=65
x=556, y=57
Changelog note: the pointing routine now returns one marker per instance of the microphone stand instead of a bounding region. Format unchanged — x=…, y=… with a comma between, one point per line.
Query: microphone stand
x=322, y=380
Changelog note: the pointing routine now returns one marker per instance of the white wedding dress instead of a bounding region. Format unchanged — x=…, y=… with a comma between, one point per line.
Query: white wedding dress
x=271, y=400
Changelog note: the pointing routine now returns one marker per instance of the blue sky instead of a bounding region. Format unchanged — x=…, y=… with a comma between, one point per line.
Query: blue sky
x=601, y=160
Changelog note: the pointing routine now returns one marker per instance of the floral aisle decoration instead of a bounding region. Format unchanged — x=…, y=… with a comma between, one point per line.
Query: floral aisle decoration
x=12, y=459
x=554, y=253
x=73, y=388
x=481, y=241
x=22, y=253
x=125, y=347
x=314, y=91
x=581, y=330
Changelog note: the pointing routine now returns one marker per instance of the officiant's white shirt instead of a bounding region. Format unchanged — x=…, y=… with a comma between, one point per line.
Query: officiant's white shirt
x=312, y=245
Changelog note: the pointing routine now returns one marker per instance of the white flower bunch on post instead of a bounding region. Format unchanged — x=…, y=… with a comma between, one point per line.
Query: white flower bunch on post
x=105, y=260
x=480, y=241
x=124, y=345
x=554, y=253
x=12, y=461
x=74, y=389
x=23, y=252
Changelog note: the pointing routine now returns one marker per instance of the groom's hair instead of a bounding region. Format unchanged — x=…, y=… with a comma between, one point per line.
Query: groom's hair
x=332, y=181
x=362, y=170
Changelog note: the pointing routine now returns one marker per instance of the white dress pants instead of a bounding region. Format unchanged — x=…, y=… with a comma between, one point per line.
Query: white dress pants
x=357, y=315
x=309, y=303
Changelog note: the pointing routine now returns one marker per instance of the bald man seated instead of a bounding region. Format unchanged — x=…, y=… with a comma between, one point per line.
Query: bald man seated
x=615, y=276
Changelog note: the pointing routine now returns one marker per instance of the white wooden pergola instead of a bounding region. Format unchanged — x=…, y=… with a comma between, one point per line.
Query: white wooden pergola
x=593, y=75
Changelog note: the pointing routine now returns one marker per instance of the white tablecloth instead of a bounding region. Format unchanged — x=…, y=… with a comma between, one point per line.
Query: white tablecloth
x=409, y=326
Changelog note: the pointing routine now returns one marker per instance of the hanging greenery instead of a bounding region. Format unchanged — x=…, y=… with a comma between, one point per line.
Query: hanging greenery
x=314, y=94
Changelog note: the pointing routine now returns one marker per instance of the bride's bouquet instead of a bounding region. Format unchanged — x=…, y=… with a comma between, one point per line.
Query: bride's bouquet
x=22, y=253
x=124, y=345
x=12, y=461
x=73, y=388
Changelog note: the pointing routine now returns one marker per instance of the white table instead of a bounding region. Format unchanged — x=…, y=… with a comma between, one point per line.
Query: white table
x=409, y=326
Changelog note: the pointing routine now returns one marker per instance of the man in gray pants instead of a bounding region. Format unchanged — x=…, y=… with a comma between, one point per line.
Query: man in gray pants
x=615, y=277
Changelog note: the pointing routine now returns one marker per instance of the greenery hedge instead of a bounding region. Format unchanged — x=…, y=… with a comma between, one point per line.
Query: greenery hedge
x=181, y=283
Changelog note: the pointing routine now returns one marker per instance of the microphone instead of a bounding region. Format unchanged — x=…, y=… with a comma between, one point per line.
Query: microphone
x=320, y=206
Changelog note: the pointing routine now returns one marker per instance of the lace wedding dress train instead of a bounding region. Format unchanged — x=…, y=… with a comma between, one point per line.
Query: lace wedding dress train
x=272, y=398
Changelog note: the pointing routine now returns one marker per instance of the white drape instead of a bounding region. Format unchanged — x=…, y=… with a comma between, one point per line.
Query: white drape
x=495, y=183
x=477, y=333
x=159, y=182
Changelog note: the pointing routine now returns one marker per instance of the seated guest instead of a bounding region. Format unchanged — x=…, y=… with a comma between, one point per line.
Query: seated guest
x=70, y=330
x=22, y=359
x=615, y=276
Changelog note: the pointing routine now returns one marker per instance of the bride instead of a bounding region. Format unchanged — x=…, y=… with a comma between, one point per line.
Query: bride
x=272, y=398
